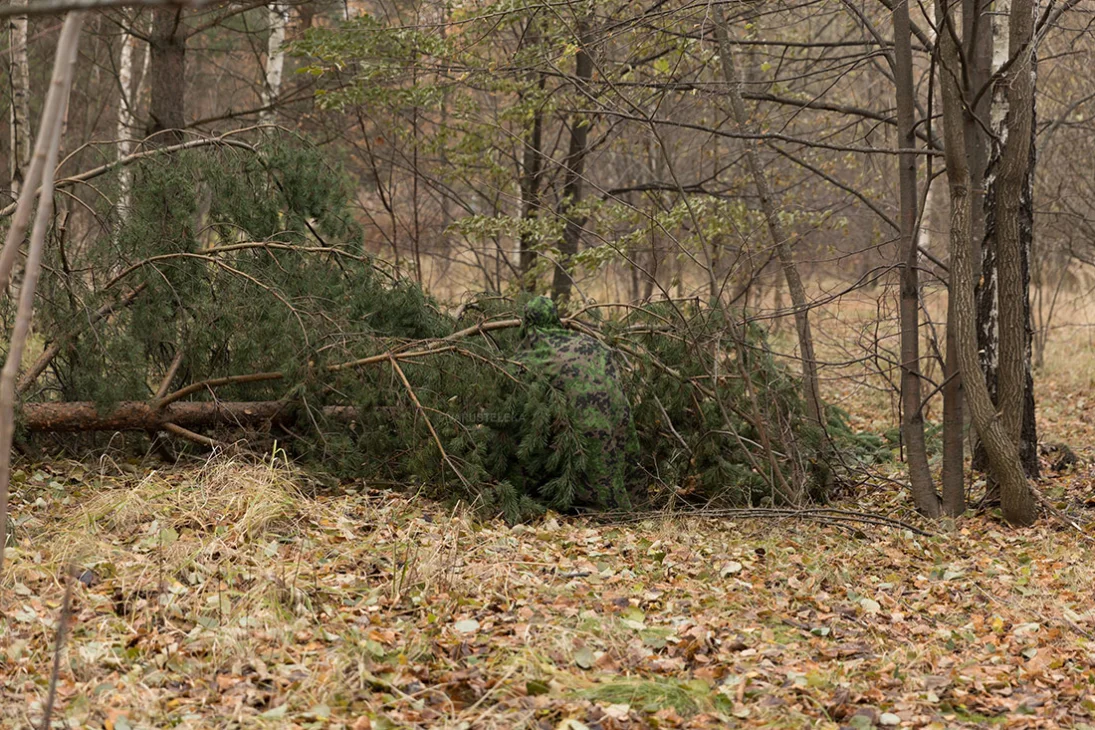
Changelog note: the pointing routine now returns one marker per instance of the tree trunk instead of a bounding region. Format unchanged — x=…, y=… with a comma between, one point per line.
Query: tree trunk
x=976, y=33
x=19, y=151
x=1008, y=221
x=912, y=420
x=275, y=61
x=1011, y=175
x=79, y=417
x=168, y=75
x=1002, y=451
x=532, y=169
x=127, y=117
x=954, y=452
x=574, y=174
x=815, y=410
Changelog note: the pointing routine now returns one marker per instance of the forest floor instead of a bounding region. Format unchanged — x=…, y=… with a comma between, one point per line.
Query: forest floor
x=240, y=594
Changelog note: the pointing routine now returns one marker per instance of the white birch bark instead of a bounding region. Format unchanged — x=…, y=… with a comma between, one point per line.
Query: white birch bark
x=20, y=99
x=129, y=98
x=928, y=231
x=275, y=61
x=1001, y=29
x=998, y=112
x=124, y=131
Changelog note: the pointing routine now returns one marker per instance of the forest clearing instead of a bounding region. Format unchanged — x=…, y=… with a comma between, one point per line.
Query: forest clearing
x=571, y=365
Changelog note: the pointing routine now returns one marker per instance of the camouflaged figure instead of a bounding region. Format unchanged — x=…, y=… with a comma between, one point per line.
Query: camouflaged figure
x=584, y=371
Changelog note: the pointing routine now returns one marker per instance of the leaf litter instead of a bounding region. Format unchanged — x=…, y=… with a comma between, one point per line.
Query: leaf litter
x=236, y=595
x=239, y=595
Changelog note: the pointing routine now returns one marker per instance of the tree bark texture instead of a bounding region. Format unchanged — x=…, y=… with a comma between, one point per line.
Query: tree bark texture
x=815, y=410
x=1010, y=179
x=19, y=151
x=275, y=61
x=977, y=37
x=76, y=417
x=532, y=168
x=1003, y=452
x=1009, y=229
x=574, y=174
x=168, y=75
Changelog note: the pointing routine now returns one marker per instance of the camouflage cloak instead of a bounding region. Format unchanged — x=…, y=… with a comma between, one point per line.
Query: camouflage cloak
x=584, y=457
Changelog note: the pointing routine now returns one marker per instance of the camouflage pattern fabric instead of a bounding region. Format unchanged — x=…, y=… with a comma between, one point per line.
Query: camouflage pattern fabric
x=583, y=370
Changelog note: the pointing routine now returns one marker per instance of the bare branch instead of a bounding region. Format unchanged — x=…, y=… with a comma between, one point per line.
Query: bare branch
x=59, y=7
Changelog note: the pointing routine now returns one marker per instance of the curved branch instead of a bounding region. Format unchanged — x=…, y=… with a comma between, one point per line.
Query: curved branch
x=137, y=156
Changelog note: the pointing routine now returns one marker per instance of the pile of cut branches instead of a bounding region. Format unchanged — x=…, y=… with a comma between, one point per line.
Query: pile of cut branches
x=235, y=297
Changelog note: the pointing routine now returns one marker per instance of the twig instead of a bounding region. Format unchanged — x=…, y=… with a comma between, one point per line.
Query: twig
x=59, y=645
x=195, y=437
x=172, y=370
x=224, y=139
x=1059, y=515
x=373, y=359
x=429, y=424
x=215, y=382
x=57, y=7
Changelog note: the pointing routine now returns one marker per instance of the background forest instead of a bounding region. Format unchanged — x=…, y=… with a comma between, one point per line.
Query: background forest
x=737, y=160
x=842, y=248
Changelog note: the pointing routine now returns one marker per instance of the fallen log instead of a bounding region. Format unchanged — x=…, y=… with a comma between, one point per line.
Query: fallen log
x=144, y=416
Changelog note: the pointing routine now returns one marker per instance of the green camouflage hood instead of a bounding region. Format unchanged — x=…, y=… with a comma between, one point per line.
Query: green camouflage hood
x=540, y=314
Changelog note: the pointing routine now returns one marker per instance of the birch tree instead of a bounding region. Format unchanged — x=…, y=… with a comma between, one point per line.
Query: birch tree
x=20, y=98
x=1002, y=451
x=275, y=61
x=129, y=85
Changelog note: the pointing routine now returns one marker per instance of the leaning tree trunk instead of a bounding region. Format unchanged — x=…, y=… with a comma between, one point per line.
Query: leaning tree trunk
x=42, y=166
x=912, y=417
x=19, y=152
x=574, y=174
x=168, y=75
x=815, y=410
x=1002, y=450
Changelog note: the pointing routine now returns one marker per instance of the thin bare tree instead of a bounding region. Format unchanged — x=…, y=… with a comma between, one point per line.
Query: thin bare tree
x=912, y=414
x=815, y=410
x=46, y=151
